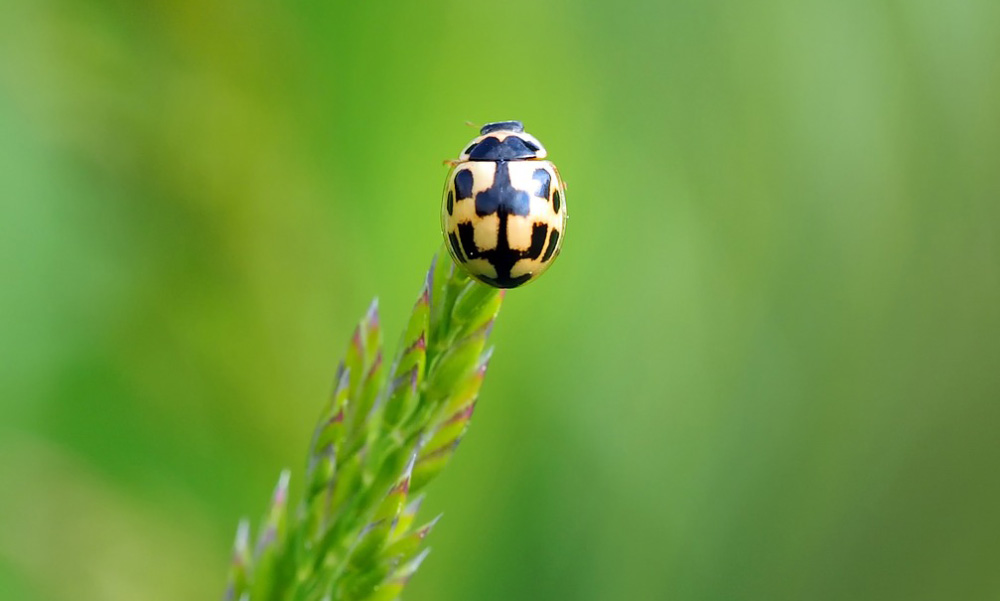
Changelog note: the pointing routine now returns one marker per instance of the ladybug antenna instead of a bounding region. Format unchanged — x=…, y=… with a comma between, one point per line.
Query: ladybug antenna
x=515, y=126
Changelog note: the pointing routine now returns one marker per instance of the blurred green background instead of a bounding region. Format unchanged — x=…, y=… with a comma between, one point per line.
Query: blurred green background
x=766, y=366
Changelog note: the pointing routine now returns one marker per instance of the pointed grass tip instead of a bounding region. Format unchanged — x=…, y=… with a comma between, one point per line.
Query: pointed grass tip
x=342, y=380
x=281, y=489
x=408, y=470
x=426, y=528
x=407, y=571
x=371, y=317
x=241, y=545
x=425, y=292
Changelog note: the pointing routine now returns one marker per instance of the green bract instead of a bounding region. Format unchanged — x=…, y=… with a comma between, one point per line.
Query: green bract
x=379, y=441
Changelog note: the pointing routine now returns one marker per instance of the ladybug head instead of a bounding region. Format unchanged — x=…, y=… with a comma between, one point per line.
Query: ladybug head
x=514, y=126
x=503, y=141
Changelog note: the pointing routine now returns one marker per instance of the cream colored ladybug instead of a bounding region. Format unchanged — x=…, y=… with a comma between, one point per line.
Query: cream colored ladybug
x=504, y=208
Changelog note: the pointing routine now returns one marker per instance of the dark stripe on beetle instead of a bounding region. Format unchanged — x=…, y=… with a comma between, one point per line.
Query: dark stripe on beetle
x=451, y=201
x=553, y=244
x=556, y=200
x=544, y=180
x=502, y=197
x=502, y=257
x=506, y=282
x=455, y=247
x=467, y=234
x=463, y=184
x=538, y=233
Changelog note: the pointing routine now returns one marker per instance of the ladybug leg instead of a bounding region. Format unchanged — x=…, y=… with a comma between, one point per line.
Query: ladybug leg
x=450, y=162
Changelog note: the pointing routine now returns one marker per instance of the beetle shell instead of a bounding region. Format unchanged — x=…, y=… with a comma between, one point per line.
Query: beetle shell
x=504, y=209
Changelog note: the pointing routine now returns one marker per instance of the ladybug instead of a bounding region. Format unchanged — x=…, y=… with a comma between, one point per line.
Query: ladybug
x=504, y=208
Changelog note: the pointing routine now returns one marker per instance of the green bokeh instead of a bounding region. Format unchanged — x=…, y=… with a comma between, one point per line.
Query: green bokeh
x=766, y=365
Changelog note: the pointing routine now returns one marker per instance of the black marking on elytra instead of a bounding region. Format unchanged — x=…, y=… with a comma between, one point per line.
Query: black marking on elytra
x=504, y=200
x=502, y=125
x=538, y=233
x=502, y=197
x=451, y=201
x=544, y=180
x=455, y=247
x=503, y=257
x=512, y=148
x=467, y=234
x=507, y=282
x=556, y=200
x=553, y=243
x=463, y=184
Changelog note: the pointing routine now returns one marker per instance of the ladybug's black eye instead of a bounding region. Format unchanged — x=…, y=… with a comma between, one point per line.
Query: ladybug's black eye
x=531, y=145
x=469, y=149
